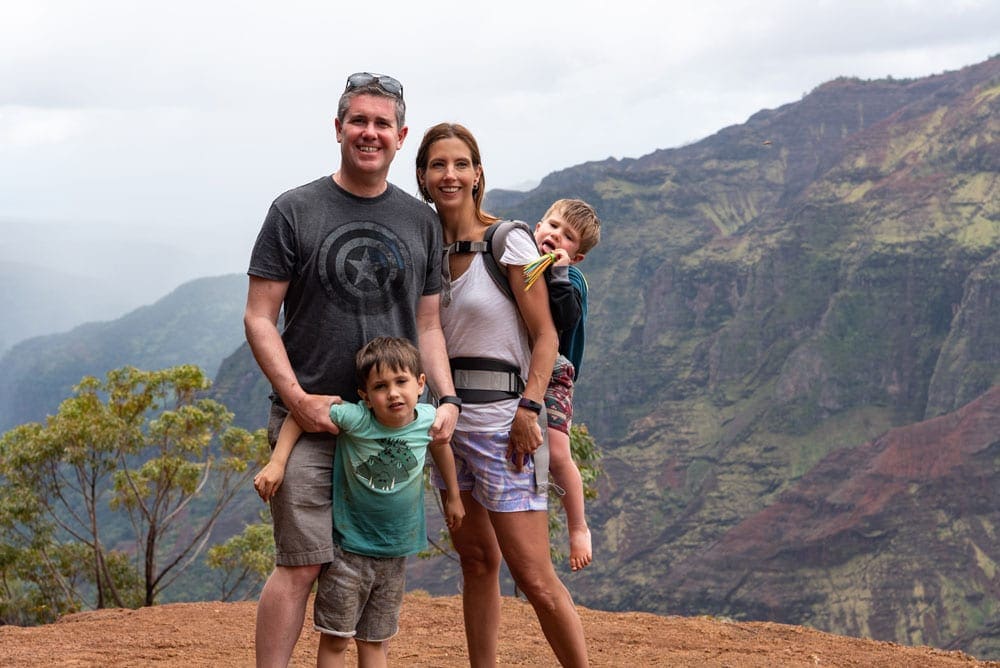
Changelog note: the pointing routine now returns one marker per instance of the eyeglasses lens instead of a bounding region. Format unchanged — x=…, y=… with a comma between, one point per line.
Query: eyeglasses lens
x=386, y=83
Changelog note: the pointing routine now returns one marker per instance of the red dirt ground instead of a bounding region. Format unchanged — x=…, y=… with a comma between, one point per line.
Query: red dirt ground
x=221, y=634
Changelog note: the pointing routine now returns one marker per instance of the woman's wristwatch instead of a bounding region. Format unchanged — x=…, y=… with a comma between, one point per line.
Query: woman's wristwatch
x=532, y=406
x=451, y=399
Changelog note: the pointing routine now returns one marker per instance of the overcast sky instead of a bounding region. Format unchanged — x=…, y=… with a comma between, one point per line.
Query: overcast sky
x=178, y=122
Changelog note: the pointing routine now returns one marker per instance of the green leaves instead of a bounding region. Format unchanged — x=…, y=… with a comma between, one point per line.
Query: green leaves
x=140, y=444
x=245, y=559
x=587, y=456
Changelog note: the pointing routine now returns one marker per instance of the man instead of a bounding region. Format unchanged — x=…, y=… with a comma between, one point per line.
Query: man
x=350, y=257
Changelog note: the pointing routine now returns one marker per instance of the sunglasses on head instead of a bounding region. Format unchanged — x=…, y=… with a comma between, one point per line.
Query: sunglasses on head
x=386, y=83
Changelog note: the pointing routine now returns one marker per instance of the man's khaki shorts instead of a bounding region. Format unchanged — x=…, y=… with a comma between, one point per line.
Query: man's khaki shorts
x=301, y=508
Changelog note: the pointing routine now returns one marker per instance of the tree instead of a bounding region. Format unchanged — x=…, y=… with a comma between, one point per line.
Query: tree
x=141, y=444
x=245, y=560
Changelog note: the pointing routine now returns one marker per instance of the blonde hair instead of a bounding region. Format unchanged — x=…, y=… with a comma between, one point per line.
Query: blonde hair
x=581, y=217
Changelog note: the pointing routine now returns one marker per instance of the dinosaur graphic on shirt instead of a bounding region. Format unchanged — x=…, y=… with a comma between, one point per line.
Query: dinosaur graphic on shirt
x=392, y=464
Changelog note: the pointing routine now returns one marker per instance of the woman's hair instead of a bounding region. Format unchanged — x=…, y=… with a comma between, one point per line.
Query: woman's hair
x=460, y=132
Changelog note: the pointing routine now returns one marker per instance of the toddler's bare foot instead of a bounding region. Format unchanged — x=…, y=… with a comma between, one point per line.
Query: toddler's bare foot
x=579, y=548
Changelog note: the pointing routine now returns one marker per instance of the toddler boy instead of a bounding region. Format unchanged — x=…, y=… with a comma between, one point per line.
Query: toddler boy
x=569, y=229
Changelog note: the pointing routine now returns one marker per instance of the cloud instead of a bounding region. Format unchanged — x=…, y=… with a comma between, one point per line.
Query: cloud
x=184, y=119
x=28, y=127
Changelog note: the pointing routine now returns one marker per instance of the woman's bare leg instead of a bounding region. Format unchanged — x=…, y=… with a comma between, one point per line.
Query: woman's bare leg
x=479, y=554
x=524, y=541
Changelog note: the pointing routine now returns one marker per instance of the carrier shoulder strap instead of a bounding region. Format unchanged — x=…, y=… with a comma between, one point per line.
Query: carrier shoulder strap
x=564, y=300
x=492, y=247
x=496, y=244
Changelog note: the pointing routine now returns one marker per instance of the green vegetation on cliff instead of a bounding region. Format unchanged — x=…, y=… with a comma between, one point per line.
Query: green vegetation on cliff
x=762, y=300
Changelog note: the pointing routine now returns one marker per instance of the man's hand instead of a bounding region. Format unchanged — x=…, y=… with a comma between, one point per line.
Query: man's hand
x=312, y=412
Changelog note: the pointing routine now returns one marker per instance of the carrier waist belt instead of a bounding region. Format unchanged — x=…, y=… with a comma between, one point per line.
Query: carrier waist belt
x=480, y=380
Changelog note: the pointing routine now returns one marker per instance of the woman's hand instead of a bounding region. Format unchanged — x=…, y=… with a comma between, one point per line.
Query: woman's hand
x=525, y=437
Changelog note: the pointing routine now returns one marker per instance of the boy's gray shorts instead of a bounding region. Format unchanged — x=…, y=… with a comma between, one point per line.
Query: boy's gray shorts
x=360, y=597
x=301, y=508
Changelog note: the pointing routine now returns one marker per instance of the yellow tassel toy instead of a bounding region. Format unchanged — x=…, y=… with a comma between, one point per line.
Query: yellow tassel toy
x=536, y=268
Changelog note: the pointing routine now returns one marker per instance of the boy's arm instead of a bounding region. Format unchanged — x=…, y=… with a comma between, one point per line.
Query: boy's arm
x=444, y=459
x=269, y=479
x=564, y=299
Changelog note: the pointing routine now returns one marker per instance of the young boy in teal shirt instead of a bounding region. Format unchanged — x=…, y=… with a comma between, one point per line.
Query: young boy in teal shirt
x=378, y=509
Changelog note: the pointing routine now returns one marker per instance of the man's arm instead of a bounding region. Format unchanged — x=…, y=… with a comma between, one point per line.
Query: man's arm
x=260, y=320
x=434, y=359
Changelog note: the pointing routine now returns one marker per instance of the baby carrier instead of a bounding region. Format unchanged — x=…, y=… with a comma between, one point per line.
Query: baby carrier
x=483, y=380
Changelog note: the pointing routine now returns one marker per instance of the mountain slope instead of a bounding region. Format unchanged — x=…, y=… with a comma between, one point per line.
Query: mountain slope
x=37, y=301
x=769, y=307
x=783, y=290
x=198, y=323
x=893, y=536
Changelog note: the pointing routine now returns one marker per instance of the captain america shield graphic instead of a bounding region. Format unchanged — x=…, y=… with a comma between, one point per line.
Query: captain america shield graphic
x=363, y=265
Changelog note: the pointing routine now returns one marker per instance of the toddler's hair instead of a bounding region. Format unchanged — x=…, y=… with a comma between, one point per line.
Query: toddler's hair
x=581, y=217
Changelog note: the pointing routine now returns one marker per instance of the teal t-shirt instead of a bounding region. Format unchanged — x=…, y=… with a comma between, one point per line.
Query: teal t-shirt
x=378, y=490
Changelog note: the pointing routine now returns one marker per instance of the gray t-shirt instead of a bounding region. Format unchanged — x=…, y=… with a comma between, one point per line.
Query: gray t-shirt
x=356, y=267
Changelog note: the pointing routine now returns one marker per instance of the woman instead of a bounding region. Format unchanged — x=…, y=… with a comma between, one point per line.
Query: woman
x=506, y=512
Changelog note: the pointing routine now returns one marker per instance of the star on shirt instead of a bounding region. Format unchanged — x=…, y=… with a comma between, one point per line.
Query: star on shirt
x=366, y=269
